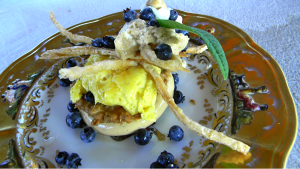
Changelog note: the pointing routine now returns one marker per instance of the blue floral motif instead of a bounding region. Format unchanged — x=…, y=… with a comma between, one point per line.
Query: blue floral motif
x=20, y=89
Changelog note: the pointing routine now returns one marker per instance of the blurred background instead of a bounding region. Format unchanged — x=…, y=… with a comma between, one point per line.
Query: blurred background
x=274, y=25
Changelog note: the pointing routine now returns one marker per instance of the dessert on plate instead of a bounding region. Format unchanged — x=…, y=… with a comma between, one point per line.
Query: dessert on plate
x=126, y=83
x=128, y=76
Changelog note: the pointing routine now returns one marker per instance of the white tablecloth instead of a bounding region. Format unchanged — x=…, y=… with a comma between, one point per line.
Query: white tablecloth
x=274, y=25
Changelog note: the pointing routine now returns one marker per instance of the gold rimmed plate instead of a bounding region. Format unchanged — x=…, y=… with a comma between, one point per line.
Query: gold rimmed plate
x=271, y=133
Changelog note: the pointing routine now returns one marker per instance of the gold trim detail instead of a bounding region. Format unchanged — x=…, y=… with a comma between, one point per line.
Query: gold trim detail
x=221, y=119
x=29, y=121
x=275, y=157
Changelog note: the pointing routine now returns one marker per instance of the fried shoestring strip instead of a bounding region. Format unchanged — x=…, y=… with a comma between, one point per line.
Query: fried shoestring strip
x=194, y=126
x=156, y=4
x=78, y=72
x=75, y=51
x=149, y=55
x=195, y=50
x=181, y=54
x=73, y=38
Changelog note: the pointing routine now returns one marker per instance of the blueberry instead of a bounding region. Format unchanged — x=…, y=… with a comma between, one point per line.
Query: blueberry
x=178, y=97
x=142, y=137
x=73, y=161
x=74, y=120
x=163, y=52
x=64, y=82
x=165, y=158
x=156, y=165
x=88, y=134
x=98, y=42
x=175, y=87
x=172, y=166
x=89, y=97
x=61, y=158
x=129, y=15
x=153, y=22
x=185, y=33
x=71, y=107
x=147, y=14
x=176, y=78
x=71, y=63
x=176, y=133
x=109, y=42
x=173, y=15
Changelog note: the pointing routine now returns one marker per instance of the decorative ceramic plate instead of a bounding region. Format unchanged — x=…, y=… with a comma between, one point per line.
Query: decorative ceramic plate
x=38, y=105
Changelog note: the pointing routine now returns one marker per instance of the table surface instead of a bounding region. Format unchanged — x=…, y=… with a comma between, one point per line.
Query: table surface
x=274, y=25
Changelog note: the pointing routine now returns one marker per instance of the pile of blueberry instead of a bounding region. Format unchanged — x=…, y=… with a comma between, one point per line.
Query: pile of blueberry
x=70, y=160
x=163, y=51
x=106, y=41
x=66, y=82
x=177, y=96
x=146, y=14
x=143, y=136
x=75, y=120
x=164, y=160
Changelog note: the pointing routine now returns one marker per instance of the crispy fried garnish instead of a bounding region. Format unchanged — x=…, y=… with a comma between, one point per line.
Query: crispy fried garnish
x=157, y=3
x=73, y=38
x=173, y=65
x=77, y=72
x=192, y=125
x=195, y=50
x=181, y=54
x=176, y=57
x=75, y=51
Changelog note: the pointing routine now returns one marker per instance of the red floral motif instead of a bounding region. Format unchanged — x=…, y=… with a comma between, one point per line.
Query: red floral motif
x=248, y=101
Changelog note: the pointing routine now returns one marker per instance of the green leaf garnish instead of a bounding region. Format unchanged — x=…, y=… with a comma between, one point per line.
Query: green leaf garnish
x=212, y=43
